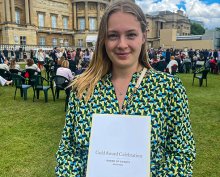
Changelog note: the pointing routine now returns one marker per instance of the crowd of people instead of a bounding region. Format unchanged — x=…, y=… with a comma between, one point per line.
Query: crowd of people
x=162, y=59
x=77, y=60
x=60, y=61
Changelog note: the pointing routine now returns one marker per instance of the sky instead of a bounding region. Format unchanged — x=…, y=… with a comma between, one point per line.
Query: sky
x=207, y=11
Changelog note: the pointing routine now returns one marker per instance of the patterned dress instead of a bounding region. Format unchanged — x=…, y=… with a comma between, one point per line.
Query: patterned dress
x=160, y=96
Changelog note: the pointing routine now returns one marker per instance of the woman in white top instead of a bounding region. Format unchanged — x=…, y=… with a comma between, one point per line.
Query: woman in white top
x=65, y=71
x=31, y=65
x=4, y=65
x=171, y=63
x=14, y=65
x=40, y=58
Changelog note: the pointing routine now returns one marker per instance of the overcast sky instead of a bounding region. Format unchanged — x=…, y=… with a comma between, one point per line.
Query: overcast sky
x=207, y=11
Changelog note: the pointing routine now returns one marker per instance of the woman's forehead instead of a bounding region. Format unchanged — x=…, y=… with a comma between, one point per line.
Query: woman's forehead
x=123, y=21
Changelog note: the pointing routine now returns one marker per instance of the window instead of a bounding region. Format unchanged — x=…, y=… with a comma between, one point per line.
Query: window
x=65, y=22
x=23, y=40
x=42, y=41
x=81, y=24
x=80, y=42
x=92, y=23
x=66, y=43
x=54, y=41
x=41, y=20
x=17, y=17
x=54, y=21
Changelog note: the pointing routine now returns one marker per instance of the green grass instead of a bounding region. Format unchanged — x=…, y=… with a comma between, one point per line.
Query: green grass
x=30, y=131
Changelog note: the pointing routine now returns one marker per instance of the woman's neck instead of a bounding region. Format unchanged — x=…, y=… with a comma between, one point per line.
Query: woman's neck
x=125, y=73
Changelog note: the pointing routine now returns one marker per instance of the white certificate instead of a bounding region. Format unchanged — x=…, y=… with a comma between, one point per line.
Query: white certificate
x=119, y=146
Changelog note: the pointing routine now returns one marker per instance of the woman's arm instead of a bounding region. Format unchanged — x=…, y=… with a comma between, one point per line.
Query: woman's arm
x=180, y=145
x=68, y=162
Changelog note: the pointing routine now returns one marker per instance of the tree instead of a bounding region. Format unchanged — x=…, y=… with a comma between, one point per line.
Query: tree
x=197, y=29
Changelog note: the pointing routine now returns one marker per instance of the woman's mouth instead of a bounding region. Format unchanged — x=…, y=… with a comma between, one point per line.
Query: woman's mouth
x=122, y=55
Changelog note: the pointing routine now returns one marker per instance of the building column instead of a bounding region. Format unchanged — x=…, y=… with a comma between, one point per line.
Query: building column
x=31, y=11
x=98, y=16
x=13, y=11
x=86, y=16
x=8, y=11
x=3, y=11
x=74, y=16
x=27, y=12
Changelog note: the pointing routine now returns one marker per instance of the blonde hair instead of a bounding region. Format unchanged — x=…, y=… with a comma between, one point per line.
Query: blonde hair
x=65, y=64
x=60, y=60
x=100, y=64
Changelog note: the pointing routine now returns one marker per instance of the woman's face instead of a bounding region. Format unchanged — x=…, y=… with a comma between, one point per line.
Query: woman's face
x=124, y=40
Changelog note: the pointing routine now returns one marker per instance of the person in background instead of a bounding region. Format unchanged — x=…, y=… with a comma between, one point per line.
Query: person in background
x=31, y=65
x=64, y=70
x=91, y=53
x=12, y=52
x=40, y=58
x=14, y=65
x=60, y=61
x=4, y=65
x=167, y=57
x=109, y=86
x=171, y=63
x=32, y=54
x=4, y=82
x=1, y=58
x=59, y=53
x=73, y=54
x=5, y=52
x=86, y=56
x=17, y=54
x=53, y=55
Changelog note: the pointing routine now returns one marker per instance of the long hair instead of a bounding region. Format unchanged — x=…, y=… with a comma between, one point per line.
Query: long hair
x=12, y=64
x=101, y=64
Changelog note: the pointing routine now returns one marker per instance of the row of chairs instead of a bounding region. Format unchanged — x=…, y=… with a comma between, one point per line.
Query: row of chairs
x=38, y=83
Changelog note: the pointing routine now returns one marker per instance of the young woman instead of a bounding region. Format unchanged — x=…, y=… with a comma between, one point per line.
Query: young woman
x=109, y=86
x=31, y=65
x=14, y=65
x=64, y=70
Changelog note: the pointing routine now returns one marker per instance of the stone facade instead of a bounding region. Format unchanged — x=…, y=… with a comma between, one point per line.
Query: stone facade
x=169, y=40
x=41, y=22
x=71, y=23
x=166, y=20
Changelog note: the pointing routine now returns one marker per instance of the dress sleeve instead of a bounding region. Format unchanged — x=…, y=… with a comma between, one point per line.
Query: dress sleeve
x=68, y=160
x=180, y=145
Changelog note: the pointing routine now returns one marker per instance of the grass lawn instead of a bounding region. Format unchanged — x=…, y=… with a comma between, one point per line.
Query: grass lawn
x=30, y=131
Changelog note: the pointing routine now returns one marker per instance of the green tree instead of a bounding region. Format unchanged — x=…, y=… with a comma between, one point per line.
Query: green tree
x=197, y=29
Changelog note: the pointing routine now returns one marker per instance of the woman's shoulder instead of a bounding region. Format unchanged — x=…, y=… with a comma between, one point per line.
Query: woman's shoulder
x=162, y=76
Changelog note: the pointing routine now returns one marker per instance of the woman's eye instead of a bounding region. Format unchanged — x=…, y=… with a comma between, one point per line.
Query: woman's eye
x=132, y=35
x=112, y=36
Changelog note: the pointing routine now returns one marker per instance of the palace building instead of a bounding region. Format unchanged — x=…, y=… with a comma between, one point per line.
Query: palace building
x=50, y=22
x=70, y=23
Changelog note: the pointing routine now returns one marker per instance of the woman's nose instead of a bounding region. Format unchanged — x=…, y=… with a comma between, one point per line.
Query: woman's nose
x=122, y=43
